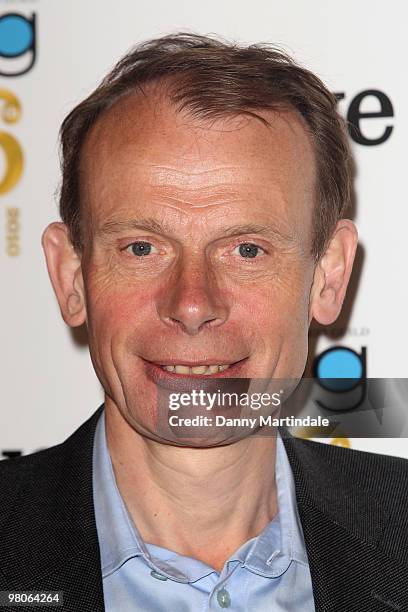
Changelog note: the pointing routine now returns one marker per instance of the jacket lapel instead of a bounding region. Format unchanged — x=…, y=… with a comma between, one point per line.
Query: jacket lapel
x=57, y=547
x=344, y=529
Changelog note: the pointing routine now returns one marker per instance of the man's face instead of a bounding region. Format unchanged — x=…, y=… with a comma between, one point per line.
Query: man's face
x=198, y=249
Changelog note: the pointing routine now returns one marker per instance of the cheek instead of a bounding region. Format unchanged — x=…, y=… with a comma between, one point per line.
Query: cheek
x=117, y=312
x=279, y=306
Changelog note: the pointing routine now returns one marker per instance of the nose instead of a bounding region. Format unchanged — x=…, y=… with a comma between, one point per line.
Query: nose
x=193, y=300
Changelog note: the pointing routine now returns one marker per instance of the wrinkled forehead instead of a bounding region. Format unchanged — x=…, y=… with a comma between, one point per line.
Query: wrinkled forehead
x=144, y=143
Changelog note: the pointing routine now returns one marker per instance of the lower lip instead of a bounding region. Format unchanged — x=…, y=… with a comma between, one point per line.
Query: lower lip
x=162, y=377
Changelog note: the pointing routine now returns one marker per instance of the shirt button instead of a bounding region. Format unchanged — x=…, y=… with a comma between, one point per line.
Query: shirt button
x=223, y=598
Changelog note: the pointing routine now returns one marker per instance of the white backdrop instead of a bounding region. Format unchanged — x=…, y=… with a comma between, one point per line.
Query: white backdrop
x=48, y=384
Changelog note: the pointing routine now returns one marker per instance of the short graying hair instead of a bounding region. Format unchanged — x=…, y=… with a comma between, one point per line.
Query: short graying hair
x=213, y=78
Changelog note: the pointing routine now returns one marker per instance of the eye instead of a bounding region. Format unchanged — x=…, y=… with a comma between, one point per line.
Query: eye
x=140, y=248
x=249, y=250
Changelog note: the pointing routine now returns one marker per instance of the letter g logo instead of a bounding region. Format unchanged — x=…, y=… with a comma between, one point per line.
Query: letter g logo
x=17, y=44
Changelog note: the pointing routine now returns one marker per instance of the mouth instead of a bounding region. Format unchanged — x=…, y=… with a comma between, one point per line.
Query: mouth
x=197, y=370
x=173, y=376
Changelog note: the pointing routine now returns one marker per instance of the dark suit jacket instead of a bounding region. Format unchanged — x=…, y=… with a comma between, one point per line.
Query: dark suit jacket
x=353, y=508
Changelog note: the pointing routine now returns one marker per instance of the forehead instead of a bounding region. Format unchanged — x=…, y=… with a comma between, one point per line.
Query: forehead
x=143, y=148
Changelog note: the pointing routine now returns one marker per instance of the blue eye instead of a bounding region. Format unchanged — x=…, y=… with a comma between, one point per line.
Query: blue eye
x=249, y=250
x=140, y=248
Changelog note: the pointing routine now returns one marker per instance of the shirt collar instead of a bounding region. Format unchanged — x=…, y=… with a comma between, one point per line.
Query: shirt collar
x=269, y=554
x=119, y=539
x=281, y=542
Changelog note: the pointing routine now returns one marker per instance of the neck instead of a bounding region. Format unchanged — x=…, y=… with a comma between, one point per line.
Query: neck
x=199, y=502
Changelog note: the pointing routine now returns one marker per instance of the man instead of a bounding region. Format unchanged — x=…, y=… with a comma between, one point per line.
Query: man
x=203, y=199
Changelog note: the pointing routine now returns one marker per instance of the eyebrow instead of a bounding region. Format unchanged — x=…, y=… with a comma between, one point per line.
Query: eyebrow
x=149, y=225
x=152, y=225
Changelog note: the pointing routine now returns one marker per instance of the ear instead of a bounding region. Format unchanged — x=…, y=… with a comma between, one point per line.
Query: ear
x=64, y=269
x=332, y=274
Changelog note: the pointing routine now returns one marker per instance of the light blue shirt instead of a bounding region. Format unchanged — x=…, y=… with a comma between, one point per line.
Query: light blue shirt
x=268, y=572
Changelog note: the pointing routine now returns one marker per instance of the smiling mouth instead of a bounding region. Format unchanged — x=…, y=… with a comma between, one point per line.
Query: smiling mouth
x=204, y=370
x=196, y=370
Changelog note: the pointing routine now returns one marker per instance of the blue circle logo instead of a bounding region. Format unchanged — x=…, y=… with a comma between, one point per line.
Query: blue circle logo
x=16, y=35
x=339, y=369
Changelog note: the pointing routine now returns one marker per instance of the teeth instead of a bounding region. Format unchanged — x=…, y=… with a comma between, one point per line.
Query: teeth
x=200, y=369
x=180, y=369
